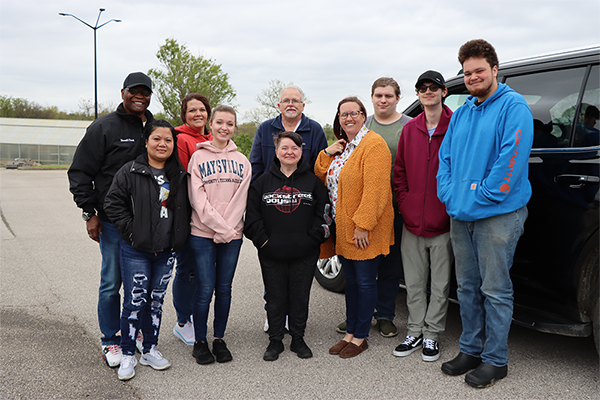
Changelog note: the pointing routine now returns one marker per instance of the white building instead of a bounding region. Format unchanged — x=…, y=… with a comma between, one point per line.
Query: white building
x=46, y=141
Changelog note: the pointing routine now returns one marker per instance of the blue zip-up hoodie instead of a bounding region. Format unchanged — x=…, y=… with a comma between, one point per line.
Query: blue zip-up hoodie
x=484, y=157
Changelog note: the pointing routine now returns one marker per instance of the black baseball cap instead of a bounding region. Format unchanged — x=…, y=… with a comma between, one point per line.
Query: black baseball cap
x=137, y=79
x=432, y=76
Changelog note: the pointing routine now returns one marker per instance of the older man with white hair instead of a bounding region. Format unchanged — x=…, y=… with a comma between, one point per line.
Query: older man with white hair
x=291, y=104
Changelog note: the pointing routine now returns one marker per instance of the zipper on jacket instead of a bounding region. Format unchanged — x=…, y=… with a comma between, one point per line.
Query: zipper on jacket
x=426, y=185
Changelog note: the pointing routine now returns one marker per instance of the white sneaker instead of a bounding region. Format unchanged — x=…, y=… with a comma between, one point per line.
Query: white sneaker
x=112, y=354
x=287, y=327
x=185, y=333
x=139, y=342
x=126, y=370
x=154, y=359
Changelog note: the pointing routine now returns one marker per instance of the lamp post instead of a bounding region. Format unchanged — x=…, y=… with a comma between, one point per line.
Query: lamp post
x=95, y=28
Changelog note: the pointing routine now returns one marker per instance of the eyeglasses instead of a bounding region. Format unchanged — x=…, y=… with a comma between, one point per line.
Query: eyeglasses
x=352, y=114
x=134, y=91
x=432, y=88
x=291, y=101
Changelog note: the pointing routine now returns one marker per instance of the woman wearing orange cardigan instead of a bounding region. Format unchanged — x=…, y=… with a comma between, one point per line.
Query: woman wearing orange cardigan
x=355, y=170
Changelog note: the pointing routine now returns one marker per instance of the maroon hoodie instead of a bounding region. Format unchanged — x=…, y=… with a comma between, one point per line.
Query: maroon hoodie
x=415, y=170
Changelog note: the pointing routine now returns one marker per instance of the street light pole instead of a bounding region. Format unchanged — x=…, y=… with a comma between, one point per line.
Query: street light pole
x=95, y=28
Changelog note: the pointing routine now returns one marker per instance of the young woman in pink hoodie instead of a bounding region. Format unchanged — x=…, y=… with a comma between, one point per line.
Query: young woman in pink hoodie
x=218, y=189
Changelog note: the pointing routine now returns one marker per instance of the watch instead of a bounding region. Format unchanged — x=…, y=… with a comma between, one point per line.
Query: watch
x=87, y=215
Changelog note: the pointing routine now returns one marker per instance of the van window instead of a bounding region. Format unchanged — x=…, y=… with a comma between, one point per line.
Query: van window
x=455, y=100
x=587, y=133
x=552, y=97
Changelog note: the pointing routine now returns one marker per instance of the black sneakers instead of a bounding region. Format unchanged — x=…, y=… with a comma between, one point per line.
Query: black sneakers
x=273, y=350
x=409, y=345
x=299, y=347
x=431, y=350
x=202, y=354
x=221, y=351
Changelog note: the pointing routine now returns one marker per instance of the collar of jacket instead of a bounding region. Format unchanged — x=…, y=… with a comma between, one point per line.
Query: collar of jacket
x=132, y=117
x=303, y=127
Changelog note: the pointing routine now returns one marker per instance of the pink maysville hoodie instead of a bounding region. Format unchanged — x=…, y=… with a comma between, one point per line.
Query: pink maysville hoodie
x=218, y=189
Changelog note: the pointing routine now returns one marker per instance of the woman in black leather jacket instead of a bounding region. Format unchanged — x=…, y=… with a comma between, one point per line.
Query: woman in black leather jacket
x=148, y=203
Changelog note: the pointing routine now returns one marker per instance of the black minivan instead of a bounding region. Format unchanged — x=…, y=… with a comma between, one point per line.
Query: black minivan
x=555, y=271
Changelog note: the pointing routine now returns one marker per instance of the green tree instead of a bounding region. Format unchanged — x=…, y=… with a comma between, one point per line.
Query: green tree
x=329, y=133
x=184, y=73
x=248, y=128
x=11, y=107
x=6, y=106
x=268, y=99
x=243, y=143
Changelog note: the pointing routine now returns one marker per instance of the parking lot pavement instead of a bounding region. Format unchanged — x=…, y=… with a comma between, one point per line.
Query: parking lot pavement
x=50, y=347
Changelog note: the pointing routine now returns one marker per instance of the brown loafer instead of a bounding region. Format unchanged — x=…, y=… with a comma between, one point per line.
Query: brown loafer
x=353, y=350
x=339, y=346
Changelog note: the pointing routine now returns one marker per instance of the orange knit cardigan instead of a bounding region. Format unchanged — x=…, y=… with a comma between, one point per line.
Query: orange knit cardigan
x=364, y=200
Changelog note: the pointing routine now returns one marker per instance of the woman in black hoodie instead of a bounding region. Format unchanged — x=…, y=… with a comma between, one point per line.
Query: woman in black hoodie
x=286, y=220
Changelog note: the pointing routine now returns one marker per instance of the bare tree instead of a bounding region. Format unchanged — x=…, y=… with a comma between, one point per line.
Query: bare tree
x=268, y=99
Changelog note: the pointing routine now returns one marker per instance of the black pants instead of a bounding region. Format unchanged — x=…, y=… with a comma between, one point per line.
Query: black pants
x=287, y=283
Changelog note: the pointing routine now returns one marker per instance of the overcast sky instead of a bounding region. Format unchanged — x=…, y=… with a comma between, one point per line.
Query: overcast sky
x=331, y=49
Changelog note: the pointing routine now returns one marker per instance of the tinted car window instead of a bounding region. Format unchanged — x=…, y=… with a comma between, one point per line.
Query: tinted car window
x=455, y=100
x=587, y=132
x=552, y=97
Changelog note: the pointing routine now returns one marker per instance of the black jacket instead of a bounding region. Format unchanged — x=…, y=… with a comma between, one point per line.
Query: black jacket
x=289, y=212
x=133, y=206
x=109, y=142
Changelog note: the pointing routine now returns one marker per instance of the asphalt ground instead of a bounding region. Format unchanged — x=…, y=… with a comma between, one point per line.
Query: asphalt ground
x=50, y=340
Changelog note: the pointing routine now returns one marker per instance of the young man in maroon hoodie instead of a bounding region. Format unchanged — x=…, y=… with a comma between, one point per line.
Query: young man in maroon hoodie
x=425, y=246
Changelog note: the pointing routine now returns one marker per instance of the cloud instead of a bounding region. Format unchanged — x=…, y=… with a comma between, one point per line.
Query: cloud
x=331, y=49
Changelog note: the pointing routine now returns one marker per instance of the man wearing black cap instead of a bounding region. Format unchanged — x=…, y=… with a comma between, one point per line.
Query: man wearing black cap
x=109, y=142
x=426, y=249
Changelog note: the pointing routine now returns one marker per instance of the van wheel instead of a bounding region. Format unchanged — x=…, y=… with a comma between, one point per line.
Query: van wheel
x=330, y=275
x=596, y=323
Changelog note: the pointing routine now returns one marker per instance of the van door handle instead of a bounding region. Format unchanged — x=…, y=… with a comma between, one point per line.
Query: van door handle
x=576, y=181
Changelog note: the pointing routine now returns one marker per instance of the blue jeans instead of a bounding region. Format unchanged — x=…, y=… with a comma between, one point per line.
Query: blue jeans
x=484, y=252
x=215, y=265
x=109, y=299
x=389, y=275
x=184, y=284
x=145, y=279
x=361, y=294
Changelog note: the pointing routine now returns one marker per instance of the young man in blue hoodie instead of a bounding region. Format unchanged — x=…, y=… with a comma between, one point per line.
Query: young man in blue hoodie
x=482, y=180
